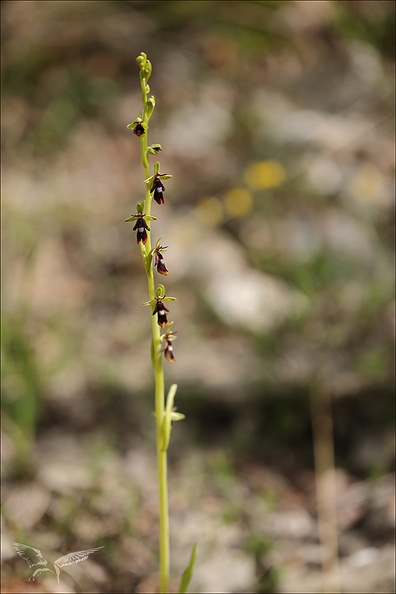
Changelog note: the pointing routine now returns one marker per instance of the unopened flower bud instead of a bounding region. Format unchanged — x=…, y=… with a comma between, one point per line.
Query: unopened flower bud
x=154, y=149
x=141, y=60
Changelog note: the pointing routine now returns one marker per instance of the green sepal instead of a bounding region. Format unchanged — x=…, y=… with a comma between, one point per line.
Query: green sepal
x=156, y=169
x=187, y=573
x=139, y=214
x=169, y=299
x=131, y=218
x=138, y=120
x=160, y=291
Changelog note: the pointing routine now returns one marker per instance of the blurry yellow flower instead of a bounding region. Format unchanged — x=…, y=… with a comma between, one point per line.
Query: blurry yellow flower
x=210, y=211
x=264, y=174
x=238, y=202
x=368, y=185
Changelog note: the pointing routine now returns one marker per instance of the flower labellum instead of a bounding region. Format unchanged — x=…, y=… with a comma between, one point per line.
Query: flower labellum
x=138, y=129
x=141, y=227
x=158, y=188
x=161, y=311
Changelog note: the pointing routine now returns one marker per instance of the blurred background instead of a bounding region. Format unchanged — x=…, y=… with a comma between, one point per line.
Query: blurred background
x=277, y=124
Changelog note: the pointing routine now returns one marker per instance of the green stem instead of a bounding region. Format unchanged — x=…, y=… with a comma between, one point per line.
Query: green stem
x=159, y=381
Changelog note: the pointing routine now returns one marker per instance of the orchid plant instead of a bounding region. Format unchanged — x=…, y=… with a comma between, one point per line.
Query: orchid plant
x=162, y=333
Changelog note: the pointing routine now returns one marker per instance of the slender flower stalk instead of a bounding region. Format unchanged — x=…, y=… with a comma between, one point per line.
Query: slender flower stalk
x=161, y=344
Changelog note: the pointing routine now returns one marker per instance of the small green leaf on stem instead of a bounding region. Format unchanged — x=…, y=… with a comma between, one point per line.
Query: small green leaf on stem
x=169, y=416
x=150, y=104
x=143, y=250
x=160, y=291
x=170, y=399
x=166, y=423
x=187, y=573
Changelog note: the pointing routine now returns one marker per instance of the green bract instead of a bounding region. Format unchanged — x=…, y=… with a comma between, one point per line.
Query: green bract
x=150, y=104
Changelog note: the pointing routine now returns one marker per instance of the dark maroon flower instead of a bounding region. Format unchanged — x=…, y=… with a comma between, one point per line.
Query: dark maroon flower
x=159, y=261
x=158, y=188
x=141, y=227
x=161, y=310
x=138, y=130
x=168, y=347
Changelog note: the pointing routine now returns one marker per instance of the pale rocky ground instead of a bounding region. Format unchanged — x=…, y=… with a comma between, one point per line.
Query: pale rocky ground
x=221, y=511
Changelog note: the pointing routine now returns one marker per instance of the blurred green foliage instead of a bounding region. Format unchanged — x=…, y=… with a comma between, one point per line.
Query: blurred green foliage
x=22, y=397
x=374, y=24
